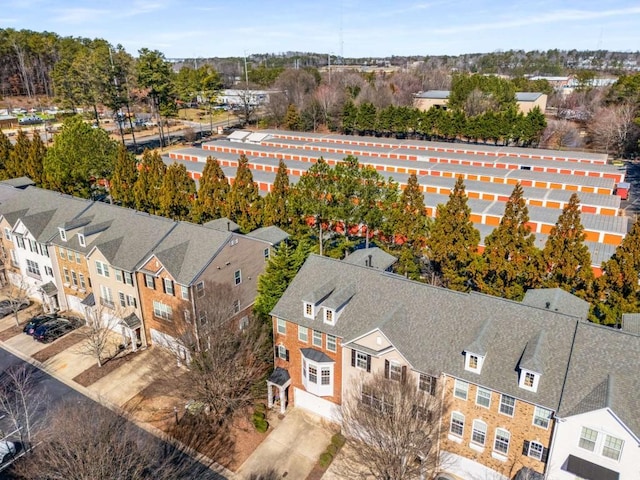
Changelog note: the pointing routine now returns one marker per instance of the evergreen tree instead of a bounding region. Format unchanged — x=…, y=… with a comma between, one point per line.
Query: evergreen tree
x=508, y=264
x=276, y=211
x=5, y=152
x=408, y=263
x=176, y=193
x=18, y=156
x=411, y=223
x=212, y=193
x=617, y=289
x=146, y=190
x=244, y=205
x=34, y=166
x=125, y=174
x=292, y=119
x=349, y=117
x=566, y=257
x=453, y=242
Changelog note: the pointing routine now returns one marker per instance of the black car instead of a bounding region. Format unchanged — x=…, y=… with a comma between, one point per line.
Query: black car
x=36, y=321
x=53, y=329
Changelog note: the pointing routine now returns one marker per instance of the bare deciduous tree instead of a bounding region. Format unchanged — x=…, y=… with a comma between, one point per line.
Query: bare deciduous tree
x=18, y=294
x=391, y=429
x=611, y=127
x=561, y=134
x=97, y=334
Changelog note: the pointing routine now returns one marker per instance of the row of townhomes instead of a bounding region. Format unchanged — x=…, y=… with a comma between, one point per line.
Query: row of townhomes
x=530, y=389
x=144, y=276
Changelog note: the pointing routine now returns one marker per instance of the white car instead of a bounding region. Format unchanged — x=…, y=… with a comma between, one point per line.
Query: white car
x=7, y=450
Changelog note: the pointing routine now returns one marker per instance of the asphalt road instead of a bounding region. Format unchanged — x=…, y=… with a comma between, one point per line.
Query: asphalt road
x=56, y=392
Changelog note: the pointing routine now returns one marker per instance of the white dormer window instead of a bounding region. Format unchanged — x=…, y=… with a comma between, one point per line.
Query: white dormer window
x=529, y=380
x=309, y=310
x=473, y=362
x=81, y=240
x=329, y=316
x=63, y=234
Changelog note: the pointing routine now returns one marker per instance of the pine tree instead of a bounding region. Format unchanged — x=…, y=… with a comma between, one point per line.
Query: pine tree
x=349, y=117
x=276, y=211
x=125, y=174
x=292, y=119
x=566, y=257
x=34, y=166
x=146, y=190
x=408, y=263
x=411, y=222
x=5, y=152
x=212, y=193
x=176, y=193
x=453, y=242
x=510, y=257
x=244, y=205
x=617, y=289
x=18, y=156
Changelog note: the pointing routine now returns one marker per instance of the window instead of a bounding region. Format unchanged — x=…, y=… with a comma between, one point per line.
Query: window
x=266, y=254
x=529, y=380
x=20, y=241
x=536, y=450
x=461, y=389
x=331, y=343
x=7, y=233
x=395, y=371
x=33, y=268
x=363, y=361
x=69, y=255
x=236, y=306
x=329, y=315
x=457, y=424
x=427, y=384
x=74, y=278
x=63, y=235
x=243, y=323
x=65, y=272
x=63, y=255
x=237, y=277
x=123, y=300
x=105, y=297
x=200, y=289
x=118, y=274
x=317, y=377
x=303, y=334
x=308, y=310
x=612, y=447
x=48, y=271
x=44, y=251
x=588, y=439
x=185, y=292
x=81, y=240
x=149, y=281
x=102, y=268
x=541, y=417
x=473, y=362
x=83, y=285
x=282, y=353
x=128, y=278
x=483, y=397
x=131, y=301
x=168, y=286
x=479, y=432
x=33, y=246
x=161, y=310
x=78, y=258
x=507, y=405
x=281, y=326
x=317, y=338
x=501, y=444
x=325, y=376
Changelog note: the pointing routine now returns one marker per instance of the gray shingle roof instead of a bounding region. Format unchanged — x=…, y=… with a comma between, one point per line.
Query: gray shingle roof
x=379, y=258
x=437, y=325
x=316, y=355
x=223, y=224
x=188, y=249
x=534, y=354
x=19, y=182
x=482, y=341
x=631, y=323
x=557, y=300
x=603, y=373
x=272, y=234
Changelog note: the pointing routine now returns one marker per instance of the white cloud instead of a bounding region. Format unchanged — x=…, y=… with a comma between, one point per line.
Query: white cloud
x=78, y=15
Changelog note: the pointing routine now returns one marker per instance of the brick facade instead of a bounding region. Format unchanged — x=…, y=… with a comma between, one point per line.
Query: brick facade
x=74, y=263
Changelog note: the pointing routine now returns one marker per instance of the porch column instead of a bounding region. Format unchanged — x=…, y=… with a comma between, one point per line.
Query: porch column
x=124, y=336
x=283, y=400
x=269, y=395
x=134, y=340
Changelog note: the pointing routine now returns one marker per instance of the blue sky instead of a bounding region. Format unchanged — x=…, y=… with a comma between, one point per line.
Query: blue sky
x=206, y=28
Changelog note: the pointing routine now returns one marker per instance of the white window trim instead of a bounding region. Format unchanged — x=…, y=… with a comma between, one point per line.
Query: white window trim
x=184, y=290
x=329, y=312
x=535, y=456
x=335, y=343
x=317, y=388
x=281, y=323
x=523, y=376
x=451, y=432
x=502, y=396
x=467, y=362
x=81, y=240
x=481, y=389
x=473, y=429
x=237, y=277
x=313, y=338
x=455, y=389
x=303, y=338
x=497, y=453
x=533, y=420
x=313, y=310
x=63, y=234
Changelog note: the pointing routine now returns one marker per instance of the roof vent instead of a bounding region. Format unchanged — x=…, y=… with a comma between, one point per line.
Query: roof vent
x=547, y=305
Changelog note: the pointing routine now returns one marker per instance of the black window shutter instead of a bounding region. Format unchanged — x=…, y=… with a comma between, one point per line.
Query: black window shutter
x=353, y=358
x=433, y=386
x=386, y=369
x=287, y=355
x=368, y=363
x=404, y=373
x=525, y=447
x=276, y=351
x=545, y=455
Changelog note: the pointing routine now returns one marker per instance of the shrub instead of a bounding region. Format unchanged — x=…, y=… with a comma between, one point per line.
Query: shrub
x=332, y=449
x=325, y=459
x=261, y=424
x=338, y=440
x=260, y=408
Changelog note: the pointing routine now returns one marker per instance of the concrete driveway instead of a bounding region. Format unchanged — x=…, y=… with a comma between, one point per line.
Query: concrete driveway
x=291, y=449
x=26, y=344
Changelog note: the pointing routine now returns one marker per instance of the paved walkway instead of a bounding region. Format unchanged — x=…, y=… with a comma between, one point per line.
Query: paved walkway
x=291, y=449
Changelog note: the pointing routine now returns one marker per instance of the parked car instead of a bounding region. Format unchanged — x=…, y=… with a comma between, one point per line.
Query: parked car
x=54, y=329
x=12, y=305
x=36, y=321
x=7, y=450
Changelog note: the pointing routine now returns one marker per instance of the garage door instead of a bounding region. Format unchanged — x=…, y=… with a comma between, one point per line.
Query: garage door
x=163, y=340
x=74, y=303
x=316, y=405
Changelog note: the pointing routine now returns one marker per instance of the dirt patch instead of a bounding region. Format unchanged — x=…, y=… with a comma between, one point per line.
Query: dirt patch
x=316, y=473
x=59, y=346
x=10, y=332
x=95, y=373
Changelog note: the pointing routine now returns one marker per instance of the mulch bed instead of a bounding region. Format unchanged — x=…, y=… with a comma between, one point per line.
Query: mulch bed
x=58, y=346
x=10, y=332
x=95, y=373
x=316, y=473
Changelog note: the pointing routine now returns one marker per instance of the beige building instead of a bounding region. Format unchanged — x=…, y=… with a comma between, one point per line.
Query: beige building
x=526, y=101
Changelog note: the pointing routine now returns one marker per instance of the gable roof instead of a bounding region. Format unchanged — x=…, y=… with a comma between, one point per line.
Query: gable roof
x=431, y=326
x=557, y=300
x=603, y=373
x=272, y=234
x=223, y=224
x=188, y=249
x=373, y=257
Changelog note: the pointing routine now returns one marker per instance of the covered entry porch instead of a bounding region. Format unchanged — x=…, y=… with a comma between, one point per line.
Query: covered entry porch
x=278, y=389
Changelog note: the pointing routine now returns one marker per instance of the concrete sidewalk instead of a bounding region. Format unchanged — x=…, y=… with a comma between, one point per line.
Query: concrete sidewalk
x=291, y=449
